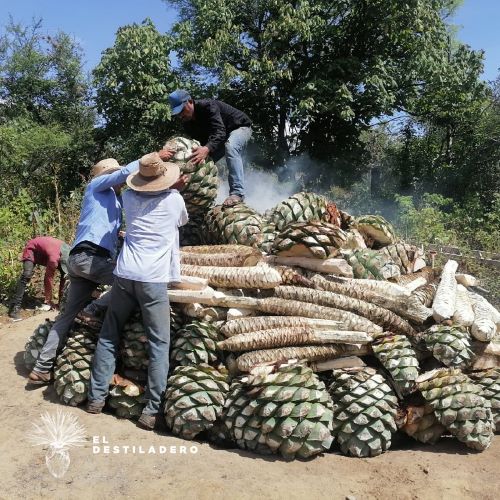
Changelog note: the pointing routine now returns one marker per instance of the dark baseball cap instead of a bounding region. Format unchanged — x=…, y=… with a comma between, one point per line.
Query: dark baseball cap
x=177, y=100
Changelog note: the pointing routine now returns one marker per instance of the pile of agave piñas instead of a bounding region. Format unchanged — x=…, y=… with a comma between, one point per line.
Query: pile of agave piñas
x=310, y=330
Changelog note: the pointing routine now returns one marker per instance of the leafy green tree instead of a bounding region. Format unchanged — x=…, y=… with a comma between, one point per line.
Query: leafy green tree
x=133, y=80
x=42, y=76
x=448, y=113
x=477, y=155
x=452, y=150
x=46, y=121
x=427, y=223
x=313, y=74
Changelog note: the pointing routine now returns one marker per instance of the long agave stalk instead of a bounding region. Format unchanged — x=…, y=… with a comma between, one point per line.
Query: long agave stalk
x=354, y=289
x=443, y=306
x=464, y=314
x=403, y=305
x=495, y=314
x=257, y=323
x=220, y=255
x=215, y=249
x=235, y=277
x=291, y=276
x=425, y=294
x=350, y=321
x=220, y=259
x=378, y=315
x=290, y=336
x=248, y=360
x=483, y=327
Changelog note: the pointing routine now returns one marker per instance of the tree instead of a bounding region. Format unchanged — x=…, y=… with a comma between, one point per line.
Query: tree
x=133, y=80
x=313, y=74
x=453, y=150
x=46, y=121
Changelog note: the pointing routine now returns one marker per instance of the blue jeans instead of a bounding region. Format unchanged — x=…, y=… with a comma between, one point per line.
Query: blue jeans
x=126, y=295
x=233, y=150
x=86, y=272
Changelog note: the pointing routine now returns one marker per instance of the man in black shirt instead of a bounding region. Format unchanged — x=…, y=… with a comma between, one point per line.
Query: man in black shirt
x=222, y=131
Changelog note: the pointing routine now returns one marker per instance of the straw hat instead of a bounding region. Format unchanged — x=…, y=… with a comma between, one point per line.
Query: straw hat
x=104, y=167
x=153, y=175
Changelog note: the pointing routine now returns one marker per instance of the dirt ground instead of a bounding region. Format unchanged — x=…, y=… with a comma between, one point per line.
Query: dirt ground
x=409, y=471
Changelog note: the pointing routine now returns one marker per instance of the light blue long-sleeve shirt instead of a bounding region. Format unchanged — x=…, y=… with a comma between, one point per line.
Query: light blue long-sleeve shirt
x=101, y=213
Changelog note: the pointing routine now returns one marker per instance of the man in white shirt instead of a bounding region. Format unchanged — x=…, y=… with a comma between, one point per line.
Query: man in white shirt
x=148, y=261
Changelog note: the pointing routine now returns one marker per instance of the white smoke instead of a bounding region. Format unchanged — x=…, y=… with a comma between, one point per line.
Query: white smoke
x=263, y=190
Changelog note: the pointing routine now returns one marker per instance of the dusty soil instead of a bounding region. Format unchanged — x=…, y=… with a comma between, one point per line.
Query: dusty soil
x=447, y=470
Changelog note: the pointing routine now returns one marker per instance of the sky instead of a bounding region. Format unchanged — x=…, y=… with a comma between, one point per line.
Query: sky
x=93, y=23
x=478, y=27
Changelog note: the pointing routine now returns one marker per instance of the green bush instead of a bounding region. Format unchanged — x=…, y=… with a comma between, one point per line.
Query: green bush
x=438, y=220
x=427, y=223
x=478, y=229
x=468, y=227
x=21, y=220
x=15, y=230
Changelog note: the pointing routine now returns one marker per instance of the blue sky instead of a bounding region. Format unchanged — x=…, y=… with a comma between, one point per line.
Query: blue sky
x=93, y=23
x=478, y=22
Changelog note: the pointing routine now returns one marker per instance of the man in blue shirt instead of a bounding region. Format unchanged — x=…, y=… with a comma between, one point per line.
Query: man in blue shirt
x=92, y=256
x=148, y=261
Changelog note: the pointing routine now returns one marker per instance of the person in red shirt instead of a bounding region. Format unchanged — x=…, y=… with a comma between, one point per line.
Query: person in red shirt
x=43, y=251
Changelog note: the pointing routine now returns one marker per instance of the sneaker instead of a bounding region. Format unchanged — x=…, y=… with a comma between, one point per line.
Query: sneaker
x=94, y=407
x=149, y=422
x=40, y=378
x=15, y=314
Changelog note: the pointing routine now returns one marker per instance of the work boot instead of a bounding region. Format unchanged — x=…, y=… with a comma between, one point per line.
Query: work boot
x=40, y=378
x=88, y=319
x=149, y=422
x=94, y=407
x=15, y=313
x=92, y=316
x=233, y=200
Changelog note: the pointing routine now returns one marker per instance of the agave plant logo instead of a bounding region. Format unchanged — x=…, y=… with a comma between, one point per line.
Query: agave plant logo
x=59, y=432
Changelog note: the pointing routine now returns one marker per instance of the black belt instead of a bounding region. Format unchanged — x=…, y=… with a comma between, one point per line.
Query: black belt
x=92, y=248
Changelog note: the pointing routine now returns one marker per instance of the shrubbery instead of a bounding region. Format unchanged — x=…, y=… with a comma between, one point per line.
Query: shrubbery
x=441, y=221
x=23, y=219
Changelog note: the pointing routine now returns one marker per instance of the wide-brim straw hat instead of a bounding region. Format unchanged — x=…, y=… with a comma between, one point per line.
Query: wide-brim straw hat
x=106, y=166
x=153, y=175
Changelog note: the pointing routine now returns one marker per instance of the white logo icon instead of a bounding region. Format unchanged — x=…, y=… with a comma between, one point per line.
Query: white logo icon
x=59, y=431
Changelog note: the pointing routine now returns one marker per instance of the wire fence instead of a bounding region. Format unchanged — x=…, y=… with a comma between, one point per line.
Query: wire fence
x=490, y=259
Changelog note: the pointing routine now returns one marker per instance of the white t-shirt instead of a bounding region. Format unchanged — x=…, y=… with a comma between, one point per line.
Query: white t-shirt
x=150, y=252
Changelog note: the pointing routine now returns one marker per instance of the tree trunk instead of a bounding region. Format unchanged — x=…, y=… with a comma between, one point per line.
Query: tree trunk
x=283, y=149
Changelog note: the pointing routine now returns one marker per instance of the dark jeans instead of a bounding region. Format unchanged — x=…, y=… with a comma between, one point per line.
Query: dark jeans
x=28, y=270
x=86, y=272
x=126, y=295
